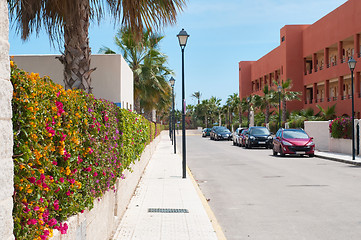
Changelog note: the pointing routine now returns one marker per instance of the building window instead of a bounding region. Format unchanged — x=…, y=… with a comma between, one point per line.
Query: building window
x=283, y=39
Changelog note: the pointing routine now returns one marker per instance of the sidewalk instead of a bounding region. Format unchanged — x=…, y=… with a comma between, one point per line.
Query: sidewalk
x=340, y=157
x=166, y=206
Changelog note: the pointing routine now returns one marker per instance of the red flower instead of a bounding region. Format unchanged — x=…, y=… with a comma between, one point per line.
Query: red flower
x=32, y=180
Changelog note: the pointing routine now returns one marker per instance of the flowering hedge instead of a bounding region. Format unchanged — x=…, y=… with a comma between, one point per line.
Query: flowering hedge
x=341, y=128
x=69, y=148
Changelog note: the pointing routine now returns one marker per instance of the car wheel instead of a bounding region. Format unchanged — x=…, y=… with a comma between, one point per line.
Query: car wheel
x=311, y=155
x=249, y=145
x=234, y=144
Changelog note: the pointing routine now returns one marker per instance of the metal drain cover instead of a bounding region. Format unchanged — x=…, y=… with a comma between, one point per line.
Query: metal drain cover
x=168, y=210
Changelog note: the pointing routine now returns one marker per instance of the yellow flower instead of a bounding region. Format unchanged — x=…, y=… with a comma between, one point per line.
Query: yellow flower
x=41, y=171
x=29, y=190
x=21, y=188
x=67, y=171
x=11, y=63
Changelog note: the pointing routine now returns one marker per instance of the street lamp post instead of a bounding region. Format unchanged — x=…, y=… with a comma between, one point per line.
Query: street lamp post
x=170, y=125
x=279, y=88
x=183, y=37
x=352, y=64
x=172, y=81
x=248, y=100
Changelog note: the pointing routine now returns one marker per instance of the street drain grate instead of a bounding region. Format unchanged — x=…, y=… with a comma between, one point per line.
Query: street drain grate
x=168, y=210
x=308, y=185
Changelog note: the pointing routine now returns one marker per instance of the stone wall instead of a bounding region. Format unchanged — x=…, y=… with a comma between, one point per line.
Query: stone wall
x=6, y=133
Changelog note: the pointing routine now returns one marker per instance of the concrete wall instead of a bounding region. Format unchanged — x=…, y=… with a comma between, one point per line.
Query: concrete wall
x=320, y=132
x=112, y=80
x=100, y=223
x=6, y=133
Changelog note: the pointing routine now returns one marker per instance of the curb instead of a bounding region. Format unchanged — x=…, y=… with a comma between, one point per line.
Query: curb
x=217, y=228
x=338, y=160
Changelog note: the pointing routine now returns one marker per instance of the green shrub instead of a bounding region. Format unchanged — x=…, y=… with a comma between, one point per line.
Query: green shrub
x=69, y=148
x=341, y=128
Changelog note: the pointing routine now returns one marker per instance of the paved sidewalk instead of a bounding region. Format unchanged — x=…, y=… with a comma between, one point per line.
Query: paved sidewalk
x=162, y=188
x=340, y=157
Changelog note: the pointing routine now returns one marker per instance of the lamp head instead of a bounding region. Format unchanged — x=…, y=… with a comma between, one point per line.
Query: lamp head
x=172, y=81
x=352, y=63
x=279, y=88
x=183, y=37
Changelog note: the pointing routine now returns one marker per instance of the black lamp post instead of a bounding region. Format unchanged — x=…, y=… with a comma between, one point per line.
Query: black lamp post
x=183, y=37
x=248, y=101
x=170, y=125
x=279, y=89
x=172, y=82
x=352, y=64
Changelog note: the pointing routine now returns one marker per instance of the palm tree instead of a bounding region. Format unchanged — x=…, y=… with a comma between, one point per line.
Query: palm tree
x=327, y=114
x=287, y=95
x=215, y=108
x=149, y=68
x=234, y=103
x=197, y=95
x=69, y=20
x=247, y=105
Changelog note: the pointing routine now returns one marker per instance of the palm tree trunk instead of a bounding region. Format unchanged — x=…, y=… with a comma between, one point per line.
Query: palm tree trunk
x=76, y=56
x=240, y=115
x=267, y=113
x=284, y=110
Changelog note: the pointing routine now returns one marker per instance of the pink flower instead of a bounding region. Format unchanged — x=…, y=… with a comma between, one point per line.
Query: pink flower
x=52, y=222
x=56, y=205
x=55, y=163
x=36, y=208
x=68, y=193
x=61, y=179
x=32, y=222
x=79, y=160
x=95, y=174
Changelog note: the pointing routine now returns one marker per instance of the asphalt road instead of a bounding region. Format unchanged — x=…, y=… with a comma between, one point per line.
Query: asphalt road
x=255, y=195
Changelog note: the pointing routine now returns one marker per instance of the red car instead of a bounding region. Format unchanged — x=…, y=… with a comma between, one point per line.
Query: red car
x=293, y=141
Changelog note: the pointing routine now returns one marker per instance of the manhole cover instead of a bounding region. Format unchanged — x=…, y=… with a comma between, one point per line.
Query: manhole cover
x=168, y=210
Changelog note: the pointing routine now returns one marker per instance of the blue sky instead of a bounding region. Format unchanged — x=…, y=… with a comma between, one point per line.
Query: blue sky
x=222, y=33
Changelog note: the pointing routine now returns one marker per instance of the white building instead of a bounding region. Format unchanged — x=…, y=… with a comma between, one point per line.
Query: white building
x=112, y=80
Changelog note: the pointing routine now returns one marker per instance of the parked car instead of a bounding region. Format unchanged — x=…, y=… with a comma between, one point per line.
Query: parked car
x=220, y=133
x=258, y=137
x=293, y=141
x=236, y=136
x=242, y=137
x=206, y=132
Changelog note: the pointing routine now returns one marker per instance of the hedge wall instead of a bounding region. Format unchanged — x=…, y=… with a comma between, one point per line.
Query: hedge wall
x=69, y=148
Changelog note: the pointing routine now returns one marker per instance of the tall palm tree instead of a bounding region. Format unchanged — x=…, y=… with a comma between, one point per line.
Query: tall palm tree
x=265, y=101
x=197, y=95
x=247, y=106
x=215, y=108
x=70, y=19
x=149, y=68
x=287, y=95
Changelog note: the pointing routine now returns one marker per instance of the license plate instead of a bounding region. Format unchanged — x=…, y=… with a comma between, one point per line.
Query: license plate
x=300, y=152
x=261, y=142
